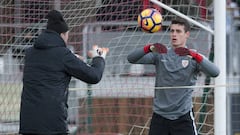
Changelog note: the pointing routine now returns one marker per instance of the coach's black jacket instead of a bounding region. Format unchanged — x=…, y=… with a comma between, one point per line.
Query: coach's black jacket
x=48, y=68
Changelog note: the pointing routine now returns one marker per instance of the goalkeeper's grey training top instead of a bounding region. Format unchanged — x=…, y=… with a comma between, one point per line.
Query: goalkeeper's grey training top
x=173, y=70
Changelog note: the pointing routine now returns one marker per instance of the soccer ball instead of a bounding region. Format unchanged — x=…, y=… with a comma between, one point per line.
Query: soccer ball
x=150, y=20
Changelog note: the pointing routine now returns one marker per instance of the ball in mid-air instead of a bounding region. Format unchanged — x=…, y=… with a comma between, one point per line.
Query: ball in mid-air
x=150, y=20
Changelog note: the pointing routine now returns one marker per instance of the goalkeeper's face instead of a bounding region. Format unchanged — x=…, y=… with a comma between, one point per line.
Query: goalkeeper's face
x=65, y=36
x=178, y=35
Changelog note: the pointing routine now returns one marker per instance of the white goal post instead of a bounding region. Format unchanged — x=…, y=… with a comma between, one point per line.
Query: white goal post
x=220, y=123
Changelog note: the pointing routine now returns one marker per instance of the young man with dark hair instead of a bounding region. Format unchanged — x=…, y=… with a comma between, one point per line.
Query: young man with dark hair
x=175, y=66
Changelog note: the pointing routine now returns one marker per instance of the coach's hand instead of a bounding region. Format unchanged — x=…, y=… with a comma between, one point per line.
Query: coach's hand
x=104, y=52
x=98, y=52
x=182, y=51
x=156, y=47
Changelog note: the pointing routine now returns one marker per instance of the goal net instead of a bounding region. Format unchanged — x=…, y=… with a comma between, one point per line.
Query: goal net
x=121, y=104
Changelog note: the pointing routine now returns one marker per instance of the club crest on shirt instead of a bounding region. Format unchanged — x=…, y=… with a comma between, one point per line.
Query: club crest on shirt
x=185, y=63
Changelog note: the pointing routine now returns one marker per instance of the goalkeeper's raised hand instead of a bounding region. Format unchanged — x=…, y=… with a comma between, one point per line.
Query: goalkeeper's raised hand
x=156, y=47
x=98, y=52
x=181, y=51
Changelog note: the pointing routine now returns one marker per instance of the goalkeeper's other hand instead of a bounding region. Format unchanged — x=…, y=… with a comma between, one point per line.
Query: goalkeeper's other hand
x=182, y=51
x=98, y=52
x=156, y=47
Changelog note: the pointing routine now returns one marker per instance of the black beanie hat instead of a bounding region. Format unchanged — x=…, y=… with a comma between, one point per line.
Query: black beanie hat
x=56, y=22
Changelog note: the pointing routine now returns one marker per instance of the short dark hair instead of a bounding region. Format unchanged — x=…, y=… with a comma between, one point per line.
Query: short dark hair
x=183, y=22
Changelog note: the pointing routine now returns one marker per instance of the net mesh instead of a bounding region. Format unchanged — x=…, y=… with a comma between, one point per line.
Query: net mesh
x=122, y=102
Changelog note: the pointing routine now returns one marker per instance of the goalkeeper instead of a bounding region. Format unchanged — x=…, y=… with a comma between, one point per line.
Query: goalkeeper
x=49, y=66
x=175, y=66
